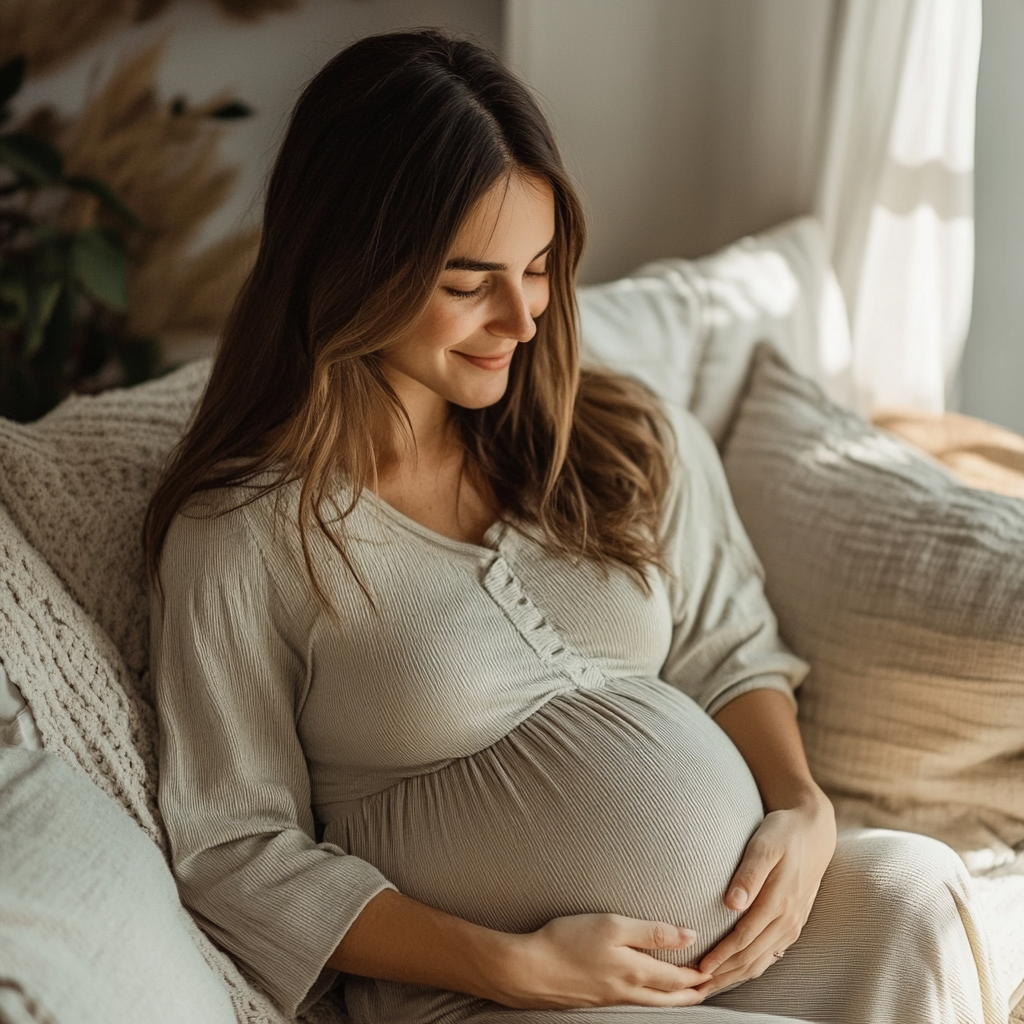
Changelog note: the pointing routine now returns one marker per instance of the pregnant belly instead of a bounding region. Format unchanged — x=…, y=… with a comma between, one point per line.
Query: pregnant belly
x=627, y=799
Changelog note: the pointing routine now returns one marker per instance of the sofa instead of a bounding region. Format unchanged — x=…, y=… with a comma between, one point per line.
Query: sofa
x=898, y=580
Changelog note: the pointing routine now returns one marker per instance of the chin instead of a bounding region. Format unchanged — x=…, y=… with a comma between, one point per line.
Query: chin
x=479, y=398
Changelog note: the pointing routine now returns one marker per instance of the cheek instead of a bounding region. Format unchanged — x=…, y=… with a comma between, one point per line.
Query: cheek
x=442, y=326
x=538, y=300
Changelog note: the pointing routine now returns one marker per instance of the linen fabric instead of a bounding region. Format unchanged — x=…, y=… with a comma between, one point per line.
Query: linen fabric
x=904, y=590
x=977, y=453
x=91, y=927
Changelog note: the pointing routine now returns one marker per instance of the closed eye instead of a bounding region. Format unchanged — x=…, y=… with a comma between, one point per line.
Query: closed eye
x=464, y=295
x=460, y=293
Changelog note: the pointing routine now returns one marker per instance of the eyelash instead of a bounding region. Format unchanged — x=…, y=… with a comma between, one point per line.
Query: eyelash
x=455, y=293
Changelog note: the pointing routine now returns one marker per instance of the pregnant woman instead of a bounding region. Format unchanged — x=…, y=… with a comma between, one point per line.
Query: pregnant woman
x=470, y=698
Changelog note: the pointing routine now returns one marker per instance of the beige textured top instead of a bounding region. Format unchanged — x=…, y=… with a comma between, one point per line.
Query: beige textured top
x=507, y=735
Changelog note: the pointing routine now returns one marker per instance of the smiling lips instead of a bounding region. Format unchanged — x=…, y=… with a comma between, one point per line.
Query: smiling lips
x=488, y=362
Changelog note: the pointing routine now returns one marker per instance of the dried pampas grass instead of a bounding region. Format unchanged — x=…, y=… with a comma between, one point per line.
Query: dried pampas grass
x=49, y=32
x=166, y=167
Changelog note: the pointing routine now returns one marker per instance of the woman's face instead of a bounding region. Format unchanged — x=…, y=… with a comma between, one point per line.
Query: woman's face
x=493, y=287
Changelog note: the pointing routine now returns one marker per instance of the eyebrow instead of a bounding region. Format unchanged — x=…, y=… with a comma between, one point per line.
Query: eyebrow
x=465, y=263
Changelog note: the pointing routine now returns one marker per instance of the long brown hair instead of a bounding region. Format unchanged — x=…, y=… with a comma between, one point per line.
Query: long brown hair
x=388, y=149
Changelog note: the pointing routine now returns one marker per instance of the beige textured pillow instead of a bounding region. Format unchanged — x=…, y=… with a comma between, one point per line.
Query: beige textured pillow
x=904, y=590
x=76, y=483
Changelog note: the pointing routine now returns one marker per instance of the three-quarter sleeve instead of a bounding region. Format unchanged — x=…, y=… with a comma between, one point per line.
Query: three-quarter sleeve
x=724, y=634
x=230, y=673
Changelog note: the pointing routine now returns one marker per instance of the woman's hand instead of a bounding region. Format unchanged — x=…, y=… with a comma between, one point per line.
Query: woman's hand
x=584, y=960
x=786, y=857
x=775, y=883
x=596, y=960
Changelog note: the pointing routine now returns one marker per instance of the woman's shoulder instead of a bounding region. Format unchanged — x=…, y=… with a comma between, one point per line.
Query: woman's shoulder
x=689, y=448
x=230, y=527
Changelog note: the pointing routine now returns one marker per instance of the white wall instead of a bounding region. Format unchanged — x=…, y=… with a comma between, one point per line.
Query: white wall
x=687, y=122
x=266, y=63
x=662, y=105
x=992, y=372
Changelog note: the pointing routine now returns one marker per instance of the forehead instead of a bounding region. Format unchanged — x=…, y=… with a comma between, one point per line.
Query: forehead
x=514, y=214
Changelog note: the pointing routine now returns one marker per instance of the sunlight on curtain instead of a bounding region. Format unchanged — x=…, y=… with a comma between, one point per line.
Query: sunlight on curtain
x=896, y=192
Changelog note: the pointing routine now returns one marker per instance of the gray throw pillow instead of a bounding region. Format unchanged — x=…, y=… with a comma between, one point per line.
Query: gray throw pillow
x=904, y=590
x=91, y=928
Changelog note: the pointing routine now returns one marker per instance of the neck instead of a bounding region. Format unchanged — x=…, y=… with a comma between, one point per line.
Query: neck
x=432, y=436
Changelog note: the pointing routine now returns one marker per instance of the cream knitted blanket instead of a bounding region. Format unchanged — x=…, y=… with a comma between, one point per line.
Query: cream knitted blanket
x=73, y=605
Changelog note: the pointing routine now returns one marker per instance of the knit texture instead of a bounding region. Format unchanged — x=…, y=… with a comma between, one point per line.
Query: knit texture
x=73, y=607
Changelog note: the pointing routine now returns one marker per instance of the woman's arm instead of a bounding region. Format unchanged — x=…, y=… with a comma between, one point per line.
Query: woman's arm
x=584, y=960
x=727, y=656
x=786, y=857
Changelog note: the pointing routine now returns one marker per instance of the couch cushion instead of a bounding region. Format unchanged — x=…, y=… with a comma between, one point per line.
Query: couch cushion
x=91, y=928
x=904, y=590
x=978, y=453
x=686, y=328
x=76, y=483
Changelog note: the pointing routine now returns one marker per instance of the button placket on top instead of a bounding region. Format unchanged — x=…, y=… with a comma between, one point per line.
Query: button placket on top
x=506, y=590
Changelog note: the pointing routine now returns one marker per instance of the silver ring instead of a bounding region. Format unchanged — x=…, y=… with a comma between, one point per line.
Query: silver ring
x=779, y=955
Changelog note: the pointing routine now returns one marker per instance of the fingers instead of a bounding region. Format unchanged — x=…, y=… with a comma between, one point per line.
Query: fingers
x=754, y=922
x=656, y=983
x=738, y=941
x=770, y=926
x=773, y=921
x=759, y=860
x=649, y=972
x=652, y=934
x=654, y=997
x=727, y=978
x=776, y=938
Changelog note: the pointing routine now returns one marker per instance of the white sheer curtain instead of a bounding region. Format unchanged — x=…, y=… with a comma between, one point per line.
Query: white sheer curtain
x=896, y=192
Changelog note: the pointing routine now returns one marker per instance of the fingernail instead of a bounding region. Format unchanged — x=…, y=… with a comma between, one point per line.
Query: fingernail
x=688, y=936
x=737, y=898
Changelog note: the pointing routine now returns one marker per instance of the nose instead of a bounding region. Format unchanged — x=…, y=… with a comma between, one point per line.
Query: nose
x=512, y=317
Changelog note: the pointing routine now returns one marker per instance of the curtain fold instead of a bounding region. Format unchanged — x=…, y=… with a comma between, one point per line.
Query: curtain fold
x=896, y=192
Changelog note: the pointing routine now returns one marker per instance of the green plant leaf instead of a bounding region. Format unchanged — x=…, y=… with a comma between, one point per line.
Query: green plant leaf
x=100, y=264
x=49, y=257
x=232, y=111
x=48, y=234
x=12, y=74
x=105, y=194
x=53, y=356
x=42, y=298
x=14, y=297
x=32, y=157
